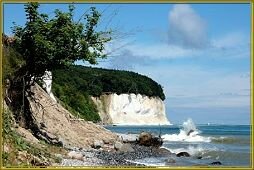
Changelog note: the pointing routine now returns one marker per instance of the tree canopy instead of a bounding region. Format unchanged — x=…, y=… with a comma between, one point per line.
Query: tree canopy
x=96, y=81
x=49, y=43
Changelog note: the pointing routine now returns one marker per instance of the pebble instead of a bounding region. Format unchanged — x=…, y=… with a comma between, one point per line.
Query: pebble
x=94, y=157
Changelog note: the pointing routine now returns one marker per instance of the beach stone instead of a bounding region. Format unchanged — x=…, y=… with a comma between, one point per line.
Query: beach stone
x=126, y=148
x=75, y=155
x=128, y=138
x=145, y=138
x=184, y=154
x=216, y=163
x=163, y=152
x=118, y=145
x=97, y=144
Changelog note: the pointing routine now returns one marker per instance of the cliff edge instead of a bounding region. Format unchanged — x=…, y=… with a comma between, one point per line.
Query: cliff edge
x=131, y=109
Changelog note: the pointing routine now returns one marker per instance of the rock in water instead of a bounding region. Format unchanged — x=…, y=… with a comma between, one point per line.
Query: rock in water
x=185, y=154
x=216, y=163
x=188, y=134
x=162, y=152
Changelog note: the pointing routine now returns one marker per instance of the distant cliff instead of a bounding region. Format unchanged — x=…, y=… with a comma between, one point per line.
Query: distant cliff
x=131, y=109
x=131, y=98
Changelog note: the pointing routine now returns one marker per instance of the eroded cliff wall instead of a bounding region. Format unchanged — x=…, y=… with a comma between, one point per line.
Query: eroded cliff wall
x=131, y=109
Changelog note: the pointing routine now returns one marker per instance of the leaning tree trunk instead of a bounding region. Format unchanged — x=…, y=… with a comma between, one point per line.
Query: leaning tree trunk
x=16, y=92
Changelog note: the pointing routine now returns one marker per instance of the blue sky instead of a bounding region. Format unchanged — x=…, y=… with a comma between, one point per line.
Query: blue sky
x=199, y=53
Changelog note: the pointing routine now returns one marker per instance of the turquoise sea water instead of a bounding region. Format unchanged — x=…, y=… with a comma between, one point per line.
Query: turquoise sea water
x=229, y=144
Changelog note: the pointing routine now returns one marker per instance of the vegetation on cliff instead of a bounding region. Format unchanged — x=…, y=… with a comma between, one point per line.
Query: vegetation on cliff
x=44, y=43
x=53, y=44
x=74, y=85
x=96, y=81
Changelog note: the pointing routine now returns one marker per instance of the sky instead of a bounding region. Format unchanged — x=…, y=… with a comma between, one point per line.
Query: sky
x=199, y=53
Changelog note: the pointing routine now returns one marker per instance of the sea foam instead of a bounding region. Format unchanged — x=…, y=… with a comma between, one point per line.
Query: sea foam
x=189, y=133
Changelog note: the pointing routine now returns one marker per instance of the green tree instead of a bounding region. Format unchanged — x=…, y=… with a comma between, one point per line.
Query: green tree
x=50, y=43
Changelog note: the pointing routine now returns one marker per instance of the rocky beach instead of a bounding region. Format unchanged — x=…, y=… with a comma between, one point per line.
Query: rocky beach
x=121, y=153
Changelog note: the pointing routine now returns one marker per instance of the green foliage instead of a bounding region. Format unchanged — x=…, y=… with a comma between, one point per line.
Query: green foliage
x=50, y=43
x=12, y=61
x=76, y=101
x=95, y=81
x=8, y=133
x=74, y=85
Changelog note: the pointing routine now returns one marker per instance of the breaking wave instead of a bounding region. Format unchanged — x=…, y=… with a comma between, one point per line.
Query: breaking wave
x=189, y=133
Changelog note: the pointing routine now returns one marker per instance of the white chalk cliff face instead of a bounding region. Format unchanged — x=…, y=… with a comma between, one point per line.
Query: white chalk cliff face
x=123, y=109
x=47, y=83
x=131, y=109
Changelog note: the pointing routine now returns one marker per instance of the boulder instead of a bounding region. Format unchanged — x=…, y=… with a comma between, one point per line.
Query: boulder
x=126, y=147
x=97, y=144
x=184, y=154
x=216, y=163
x=163, y=152
x=128, y=138
x=147, y=139
x=75, y=155
x=118, y=145
x=123, y=147
x=156, y=141
x=188, y=134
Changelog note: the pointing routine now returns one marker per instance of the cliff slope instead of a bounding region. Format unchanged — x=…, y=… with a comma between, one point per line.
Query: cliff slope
x=55, y=122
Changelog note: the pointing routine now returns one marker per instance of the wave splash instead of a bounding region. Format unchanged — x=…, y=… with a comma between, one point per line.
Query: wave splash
x=189, y=133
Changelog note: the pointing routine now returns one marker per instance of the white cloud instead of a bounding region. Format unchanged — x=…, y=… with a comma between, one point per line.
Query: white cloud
x=130, y=53
x=186, y=27
x=127, y=61
x=230, y=40
x=161, y=51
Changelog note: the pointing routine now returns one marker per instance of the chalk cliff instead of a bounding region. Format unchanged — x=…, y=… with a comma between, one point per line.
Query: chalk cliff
x=124, y=109
x=131, y=109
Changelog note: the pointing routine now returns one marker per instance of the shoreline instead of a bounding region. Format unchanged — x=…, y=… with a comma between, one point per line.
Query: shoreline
x=129, y=155
x=102, y=157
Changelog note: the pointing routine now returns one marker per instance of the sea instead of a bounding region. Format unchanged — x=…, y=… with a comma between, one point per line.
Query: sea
x=207, y=143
